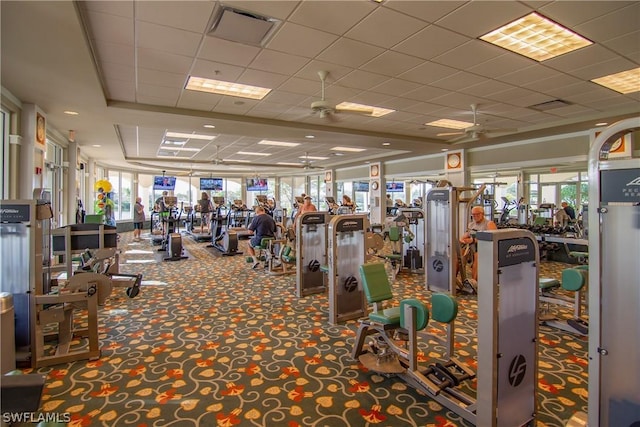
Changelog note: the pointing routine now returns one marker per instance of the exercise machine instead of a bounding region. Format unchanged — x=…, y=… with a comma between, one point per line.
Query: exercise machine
x=448, y=210
x=223, y=237
x=413, y=238
x=172, y=241
x=614, y=287
x=573, y=280
x=24, y=231
x=311, y=252
x=507, y=335
x=346, y=246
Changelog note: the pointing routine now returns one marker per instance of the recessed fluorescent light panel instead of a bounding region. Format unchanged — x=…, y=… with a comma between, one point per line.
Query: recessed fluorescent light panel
x=237, y=161
x=287, y=164
x=226, y=88
x=182, y=135
x=349, y=149
x=172, y=157
x=624, y=82
x=365, y=109
x=251, y=153
x=313, y=158
x=536, y=37
x=279, y=143
x=449, y=124
x=195, y=150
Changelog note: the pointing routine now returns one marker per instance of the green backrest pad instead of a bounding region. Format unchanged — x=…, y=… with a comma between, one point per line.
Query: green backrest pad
x=394, y=234
x=444, y=308
x=286, y=251
x=573, y=279
x=422, y=313
x=375, y=282
x=264, y=242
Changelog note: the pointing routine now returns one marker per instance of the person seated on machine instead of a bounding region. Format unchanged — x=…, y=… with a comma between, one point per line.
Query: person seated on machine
x=307, y=206
x=261, y=226
x=206, y=207
x=348, y=203
x=479, y=223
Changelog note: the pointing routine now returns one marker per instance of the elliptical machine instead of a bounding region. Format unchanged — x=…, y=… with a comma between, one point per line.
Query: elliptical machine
x=172, y=240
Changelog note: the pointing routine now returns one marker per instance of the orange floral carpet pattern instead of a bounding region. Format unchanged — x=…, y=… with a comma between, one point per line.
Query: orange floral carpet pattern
x=211, y=342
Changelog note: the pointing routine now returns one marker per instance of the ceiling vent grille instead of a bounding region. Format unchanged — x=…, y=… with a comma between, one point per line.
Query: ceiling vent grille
x=242, y=27
x=550, y=105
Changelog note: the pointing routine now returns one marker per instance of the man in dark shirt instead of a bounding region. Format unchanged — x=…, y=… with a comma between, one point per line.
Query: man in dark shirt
x=568, y=210
x=262, y=226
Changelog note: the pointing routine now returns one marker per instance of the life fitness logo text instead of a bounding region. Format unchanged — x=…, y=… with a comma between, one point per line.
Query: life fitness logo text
x=632, y=192
x=516, y=248
x=8, y=211
x=517, y=369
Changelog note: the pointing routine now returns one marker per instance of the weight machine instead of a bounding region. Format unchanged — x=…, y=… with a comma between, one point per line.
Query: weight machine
x=507, y=335
x=346, y=252
x=311, y=252
x=448, y=210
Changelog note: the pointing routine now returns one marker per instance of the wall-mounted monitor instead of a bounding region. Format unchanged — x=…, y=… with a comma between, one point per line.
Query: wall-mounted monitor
x=395, y=187
x=164, y=183
x=257, y=184
x=362, y=186
x=213, y=184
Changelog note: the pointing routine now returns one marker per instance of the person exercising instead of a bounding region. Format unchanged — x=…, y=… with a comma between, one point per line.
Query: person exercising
x=261, y=226
x=478, y=223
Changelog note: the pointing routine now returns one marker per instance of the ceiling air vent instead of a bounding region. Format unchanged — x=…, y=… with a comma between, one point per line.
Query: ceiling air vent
x=550, y=105
x=242, y=27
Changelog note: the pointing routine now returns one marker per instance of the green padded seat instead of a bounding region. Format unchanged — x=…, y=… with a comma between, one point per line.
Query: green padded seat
x=286, y=255
x=548, y=283
x=264, y=242
x=584, y=267
x=422, y=313
x=377, y=289
x=324, y=268
x=394, y=234
x=444, y=308
x=572, y=279
x=396, y=257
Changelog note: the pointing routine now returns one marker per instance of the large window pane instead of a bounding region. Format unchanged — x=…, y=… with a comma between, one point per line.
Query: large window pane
x=126, y=201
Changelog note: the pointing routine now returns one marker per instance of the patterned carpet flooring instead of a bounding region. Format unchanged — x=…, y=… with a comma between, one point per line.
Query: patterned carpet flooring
x=211, y=342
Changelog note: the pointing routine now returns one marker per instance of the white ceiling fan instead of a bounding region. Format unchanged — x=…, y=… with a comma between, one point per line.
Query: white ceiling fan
x=326, y=110
x=307, y=163
x=476, y=131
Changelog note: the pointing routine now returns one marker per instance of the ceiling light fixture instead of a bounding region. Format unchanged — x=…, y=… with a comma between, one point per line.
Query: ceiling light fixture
x=309, y=136
x=219, y=87
x=237, y=161
x=209, y=126
x=287, y=164
x=173, y=157
x=195, y=150
x=279, y=143
x=386, y=144
x=96, y=145
x=313, y=158
x=349, y=149
x=624, y=82
x=251, y=153
x=366, y=109
x=71, y=113
x=602, y=124
x=449, y=124
x=536, y=37
x=189, y=136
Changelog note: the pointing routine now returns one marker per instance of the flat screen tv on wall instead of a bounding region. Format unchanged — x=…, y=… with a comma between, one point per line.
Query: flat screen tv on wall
x=164, y=183
x=257, y=184
x=213, y=184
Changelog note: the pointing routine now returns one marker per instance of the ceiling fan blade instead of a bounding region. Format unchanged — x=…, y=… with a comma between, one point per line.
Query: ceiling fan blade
x=451, y=133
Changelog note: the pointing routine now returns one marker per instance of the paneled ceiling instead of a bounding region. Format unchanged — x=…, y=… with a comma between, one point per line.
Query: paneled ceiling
x=123, y=66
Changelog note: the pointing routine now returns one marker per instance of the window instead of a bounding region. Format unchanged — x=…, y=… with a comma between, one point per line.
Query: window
x=121, y=195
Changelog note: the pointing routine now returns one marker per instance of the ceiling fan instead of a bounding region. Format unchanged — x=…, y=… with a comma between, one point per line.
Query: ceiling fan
x=326, y=110
x=476, y=131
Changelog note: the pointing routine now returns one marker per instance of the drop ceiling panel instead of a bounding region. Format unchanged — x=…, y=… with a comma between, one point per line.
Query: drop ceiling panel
x=396, y=87
x=301, y=86
x=372, y=28
x=121, y=90
x=425, y=93
x=469, y=54
x=167, y=39
x=429, y=11
x=362, y=79
x=428, y=72
x=323, y=16
x=501, y=65
x=191, y=16
x=227, y=52
x=198, y=100
x=604, y=68
x=568, y=14
x=487, y=87
x=350, y=53
x=288, y=39
x=262, y=78
x=278, y=62
x=626, y=44
x=157, y=60
x=111, y=28
x=614, y=24
x=119, y=72
x=458, y=81
x=115, y=53
x=160, y=78
x=580, y=58
x=431, y=42
x=391, y=63
x=310, y=71
x=529, y=74
x=215, y=70
x=494, y=14
x=279, y=9
x=117, y=8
